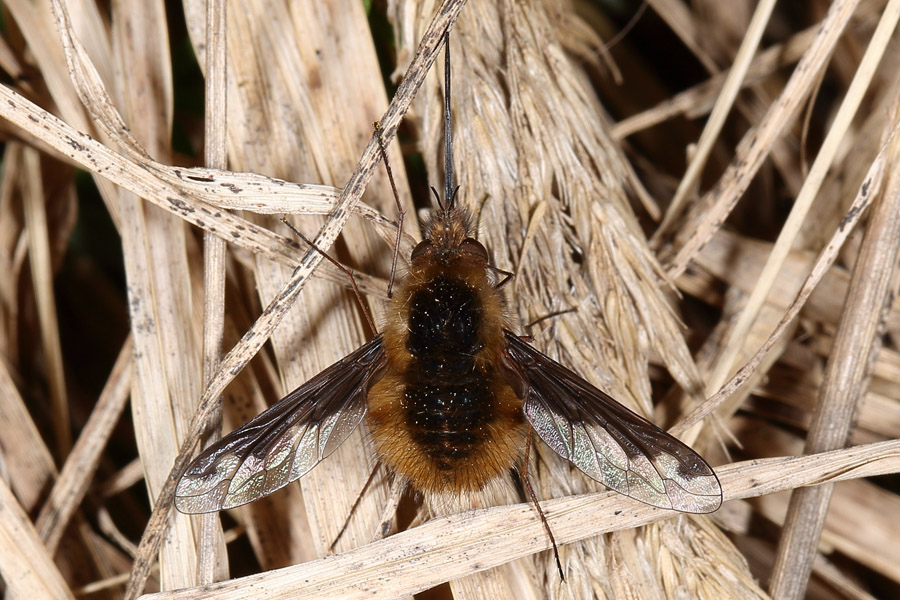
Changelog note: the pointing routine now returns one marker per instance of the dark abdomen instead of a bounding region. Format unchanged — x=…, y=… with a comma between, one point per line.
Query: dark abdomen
x=448, y=394
x=448, y=421
x=440, y=416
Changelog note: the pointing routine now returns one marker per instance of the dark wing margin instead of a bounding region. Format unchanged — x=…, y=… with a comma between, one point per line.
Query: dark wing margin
x=285, y=441
x=605, y=440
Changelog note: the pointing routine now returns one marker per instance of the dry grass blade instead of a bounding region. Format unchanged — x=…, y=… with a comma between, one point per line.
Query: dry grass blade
x=573, y=124
x=28, y=464
x=213, y=557
x=870, y=186
x=195, y=194
x=546, y=164
x=700, y=99
x=736, y=337
x=857, y=342
x=253, y=340
x=708, y=214
x=486, y=538
x=41, y=269
x=75, y=476
x=22, y=553
x=717, y=116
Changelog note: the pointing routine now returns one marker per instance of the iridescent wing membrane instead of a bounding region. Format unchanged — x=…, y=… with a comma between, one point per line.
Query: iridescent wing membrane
x=607, y=441
x=284, y=442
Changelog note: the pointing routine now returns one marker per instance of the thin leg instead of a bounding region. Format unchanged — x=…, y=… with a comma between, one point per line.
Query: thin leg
x=349, y=273
x=355, y=506
x=389, y=514
x=537, y=506
x=400, y=211
x=507, y=276
x=549, y=316
x=478, y=213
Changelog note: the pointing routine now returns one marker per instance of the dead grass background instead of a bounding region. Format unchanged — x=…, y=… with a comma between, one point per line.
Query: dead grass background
x=677, y=187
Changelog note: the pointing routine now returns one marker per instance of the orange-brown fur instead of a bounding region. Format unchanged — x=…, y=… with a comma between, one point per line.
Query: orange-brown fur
x=386, y=418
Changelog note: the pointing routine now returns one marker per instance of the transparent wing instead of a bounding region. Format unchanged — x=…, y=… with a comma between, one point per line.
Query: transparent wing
x=284, y=442
x=607, y=441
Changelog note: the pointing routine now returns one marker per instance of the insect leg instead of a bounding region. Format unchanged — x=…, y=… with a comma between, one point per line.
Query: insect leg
x=347, y=271
x=400, y=211
x=389, y=514
x=527, y=484
x=507, y=276
x=353, y=508
x=555, y=313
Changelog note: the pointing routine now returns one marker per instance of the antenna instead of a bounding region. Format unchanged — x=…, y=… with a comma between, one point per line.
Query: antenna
x=448, y=138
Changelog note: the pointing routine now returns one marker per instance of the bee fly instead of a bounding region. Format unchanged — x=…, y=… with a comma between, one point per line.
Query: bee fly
x=450, y=396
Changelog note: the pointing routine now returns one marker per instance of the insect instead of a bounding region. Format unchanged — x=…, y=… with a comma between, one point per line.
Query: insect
x=450, y=395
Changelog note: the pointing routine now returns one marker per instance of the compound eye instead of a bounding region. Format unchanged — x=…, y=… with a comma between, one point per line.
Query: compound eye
x=421, y=249
x=474, y=247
